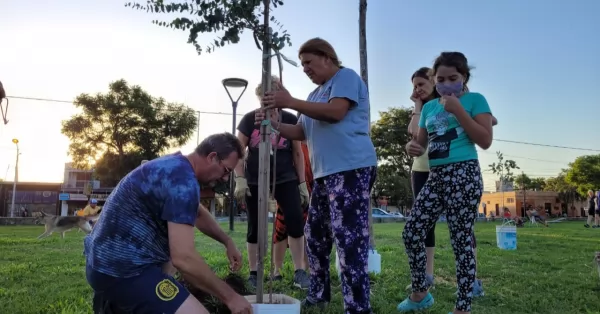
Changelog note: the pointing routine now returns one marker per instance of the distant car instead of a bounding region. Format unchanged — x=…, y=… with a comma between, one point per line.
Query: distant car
x=380, y=213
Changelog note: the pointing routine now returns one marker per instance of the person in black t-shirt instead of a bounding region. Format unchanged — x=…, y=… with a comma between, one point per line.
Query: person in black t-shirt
x=291, y=192
x=591, y=209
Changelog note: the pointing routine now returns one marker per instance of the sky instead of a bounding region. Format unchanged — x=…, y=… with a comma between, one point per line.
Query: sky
x=534, y=62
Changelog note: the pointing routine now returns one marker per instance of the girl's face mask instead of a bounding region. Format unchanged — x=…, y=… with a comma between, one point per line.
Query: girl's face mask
x=447, y=89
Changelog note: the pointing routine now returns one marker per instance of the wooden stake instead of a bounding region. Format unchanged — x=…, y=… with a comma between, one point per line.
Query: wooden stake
x=264, y=165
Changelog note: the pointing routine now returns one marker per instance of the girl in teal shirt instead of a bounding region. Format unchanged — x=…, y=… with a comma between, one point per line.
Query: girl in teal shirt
x=450, y=127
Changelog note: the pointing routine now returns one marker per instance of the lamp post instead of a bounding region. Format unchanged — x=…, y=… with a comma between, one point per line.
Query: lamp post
x=14, y=193
x=233, y=83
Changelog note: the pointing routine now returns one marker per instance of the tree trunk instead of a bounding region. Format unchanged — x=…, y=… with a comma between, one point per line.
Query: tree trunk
x=364, y=73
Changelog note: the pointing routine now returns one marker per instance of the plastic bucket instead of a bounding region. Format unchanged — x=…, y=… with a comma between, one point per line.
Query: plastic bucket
x=506, y=237
x=283, y=304
x=374, y=263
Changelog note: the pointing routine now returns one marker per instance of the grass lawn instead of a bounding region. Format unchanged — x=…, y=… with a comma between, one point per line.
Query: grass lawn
x=551, y=272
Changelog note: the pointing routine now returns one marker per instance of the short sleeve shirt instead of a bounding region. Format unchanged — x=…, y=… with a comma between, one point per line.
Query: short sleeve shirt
x=132, y=233
x=448, y=142
x=286, y=171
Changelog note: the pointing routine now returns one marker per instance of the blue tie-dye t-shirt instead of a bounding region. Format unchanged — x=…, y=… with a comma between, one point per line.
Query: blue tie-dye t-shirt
x=131, y=233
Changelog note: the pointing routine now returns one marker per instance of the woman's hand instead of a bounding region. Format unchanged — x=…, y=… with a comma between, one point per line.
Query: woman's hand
x=416, y=99
x=279, y=98
x=414, y=149
x=260, y=115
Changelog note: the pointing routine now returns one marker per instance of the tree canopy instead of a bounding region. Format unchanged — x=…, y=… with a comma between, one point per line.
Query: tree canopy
x=227, y=18
x=584, y=173
x=389, y=135
x=120, y=128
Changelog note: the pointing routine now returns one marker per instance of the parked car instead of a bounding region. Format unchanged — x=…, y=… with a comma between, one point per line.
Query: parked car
x=380, y=213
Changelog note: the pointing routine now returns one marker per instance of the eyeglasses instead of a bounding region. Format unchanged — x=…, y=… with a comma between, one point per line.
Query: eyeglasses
x=225, y=168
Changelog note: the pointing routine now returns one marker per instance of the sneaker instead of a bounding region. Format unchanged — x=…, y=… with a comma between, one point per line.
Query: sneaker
x=277, y=278
x=252, y=280
x=301, y=279
x=409, y=305
x=306, y=303
x=477, y=289
x=595, y=226
x=586, y=225
x=429, y=281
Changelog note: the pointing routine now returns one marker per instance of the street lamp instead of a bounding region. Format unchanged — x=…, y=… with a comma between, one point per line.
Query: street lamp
x=14, y=193
x=233, y=83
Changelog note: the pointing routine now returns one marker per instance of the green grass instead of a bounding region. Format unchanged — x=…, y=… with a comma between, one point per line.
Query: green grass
x=551, y=272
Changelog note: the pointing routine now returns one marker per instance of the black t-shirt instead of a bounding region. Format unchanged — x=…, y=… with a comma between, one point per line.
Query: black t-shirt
x=285, y=157
x=591, y=203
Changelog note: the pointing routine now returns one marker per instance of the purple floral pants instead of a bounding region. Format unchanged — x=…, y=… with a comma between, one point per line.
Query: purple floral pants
x=339, y=211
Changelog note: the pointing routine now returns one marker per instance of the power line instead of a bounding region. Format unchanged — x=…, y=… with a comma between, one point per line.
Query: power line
x=228, y=114
x=70, y=102
x=548, y=145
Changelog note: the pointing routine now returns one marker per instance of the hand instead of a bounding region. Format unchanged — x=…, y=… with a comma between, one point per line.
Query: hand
x=260, y=115
x=272, y=205
x=304, y=197
x=234, y=256
x=416, y=99
x=241, y=189
x=279, y=98
x=451, y=104
x=414, y=149
x=239, y=305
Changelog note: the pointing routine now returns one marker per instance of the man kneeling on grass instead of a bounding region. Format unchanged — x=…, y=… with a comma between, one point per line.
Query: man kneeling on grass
x=148, y=221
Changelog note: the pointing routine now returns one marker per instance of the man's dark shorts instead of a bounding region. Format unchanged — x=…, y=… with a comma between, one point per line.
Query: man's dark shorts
x=150, y=292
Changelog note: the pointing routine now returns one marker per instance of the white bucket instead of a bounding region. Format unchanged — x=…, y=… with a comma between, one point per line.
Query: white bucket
x=506, y=237
x=374, y=262
x=283, y=304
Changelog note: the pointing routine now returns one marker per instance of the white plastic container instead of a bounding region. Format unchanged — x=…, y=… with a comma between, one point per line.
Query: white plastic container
x=283, y=304
x=506, y=237
x=374, y=262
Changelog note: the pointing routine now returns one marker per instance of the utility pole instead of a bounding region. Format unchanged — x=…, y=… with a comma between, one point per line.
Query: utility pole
x=14, y=193
x=524, y=190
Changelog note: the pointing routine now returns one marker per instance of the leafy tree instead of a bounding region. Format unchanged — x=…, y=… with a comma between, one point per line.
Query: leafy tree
x=567, y=192
x=389, y=135
x=228, y=18
x=537, y=184
x=122, y=127
x=584, y=173
x=523, y=182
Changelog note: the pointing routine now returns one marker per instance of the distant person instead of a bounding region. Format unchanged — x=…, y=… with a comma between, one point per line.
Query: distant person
x=591, y=209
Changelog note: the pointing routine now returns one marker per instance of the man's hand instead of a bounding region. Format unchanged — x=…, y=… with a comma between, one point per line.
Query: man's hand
x=234, y=256
x=239, y=305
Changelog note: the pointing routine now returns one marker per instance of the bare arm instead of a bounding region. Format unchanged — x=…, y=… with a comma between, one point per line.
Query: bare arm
x=299, y=160
x=333, y=111
x=207, y=224
x=191, y=265
x=239, y=169
x=422, y=137
x=413, y=125
x=479, y=128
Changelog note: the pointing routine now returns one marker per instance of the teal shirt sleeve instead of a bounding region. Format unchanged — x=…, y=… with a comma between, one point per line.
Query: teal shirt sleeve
x=480, y=105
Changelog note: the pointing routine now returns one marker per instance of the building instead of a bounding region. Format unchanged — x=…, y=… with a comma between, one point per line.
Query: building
x=32, y=196
x=78, y=187
x=515, y=201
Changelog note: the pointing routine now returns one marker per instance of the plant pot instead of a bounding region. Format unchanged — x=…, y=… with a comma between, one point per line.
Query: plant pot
x=283, y=304
x=374, y=262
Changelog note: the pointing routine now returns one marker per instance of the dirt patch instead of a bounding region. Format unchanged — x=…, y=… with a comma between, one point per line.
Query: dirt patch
x=212, y=304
